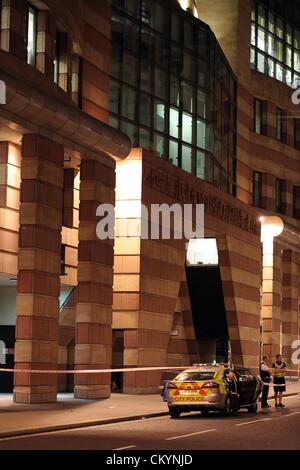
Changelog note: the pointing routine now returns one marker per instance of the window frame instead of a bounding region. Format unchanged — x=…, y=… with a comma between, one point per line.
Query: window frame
x=280, y=189
x=31, y=9
x=256, y=201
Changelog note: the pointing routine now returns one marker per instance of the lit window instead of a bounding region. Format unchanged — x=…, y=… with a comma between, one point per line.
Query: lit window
x=31, y=35
x=272, y=38
x=202, y=251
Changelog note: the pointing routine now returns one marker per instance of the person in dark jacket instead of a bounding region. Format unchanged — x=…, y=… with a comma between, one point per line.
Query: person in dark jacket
x=265, y=375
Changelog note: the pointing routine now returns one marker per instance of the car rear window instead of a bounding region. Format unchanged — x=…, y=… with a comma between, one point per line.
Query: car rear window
x=192, y=376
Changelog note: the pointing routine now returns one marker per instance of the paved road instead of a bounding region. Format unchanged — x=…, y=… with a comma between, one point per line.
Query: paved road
x=268, y=429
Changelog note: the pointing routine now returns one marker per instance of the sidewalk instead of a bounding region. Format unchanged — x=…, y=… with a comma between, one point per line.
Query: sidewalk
x=17, y=419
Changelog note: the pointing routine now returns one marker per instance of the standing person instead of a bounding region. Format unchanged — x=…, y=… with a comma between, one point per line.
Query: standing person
x=279, y=368
x=265, y=375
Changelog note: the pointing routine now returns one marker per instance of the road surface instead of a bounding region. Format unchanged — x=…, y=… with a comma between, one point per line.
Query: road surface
x=274, y=429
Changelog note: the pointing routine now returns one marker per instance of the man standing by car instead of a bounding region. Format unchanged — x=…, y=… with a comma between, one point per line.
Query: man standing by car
x=279, y=368
x=265, y=375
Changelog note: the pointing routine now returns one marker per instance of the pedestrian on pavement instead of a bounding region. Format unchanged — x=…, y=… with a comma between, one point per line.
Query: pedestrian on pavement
x=279, y=368
x=265, y=375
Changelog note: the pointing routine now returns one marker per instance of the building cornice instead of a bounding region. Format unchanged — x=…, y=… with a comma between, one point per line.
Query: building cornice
x=36, y=104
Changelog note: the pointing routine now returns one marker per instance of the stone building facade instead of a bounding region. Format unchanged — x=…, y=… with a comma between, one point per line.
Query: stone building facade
x=75, y=132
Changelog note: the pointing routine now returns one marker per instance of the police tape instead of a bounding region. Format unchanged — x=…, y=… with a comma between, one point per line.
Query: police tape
x=92, y=371
x=103, y=371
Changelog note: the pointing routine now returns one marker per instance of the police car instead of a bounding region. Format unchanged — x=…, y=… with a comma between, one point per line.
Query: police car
x=213, y=387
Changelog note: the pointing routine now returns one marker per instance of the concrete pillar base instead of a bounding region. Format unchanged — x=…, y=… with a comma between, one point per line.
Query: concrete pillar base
x=92, y=393
x=30, y=397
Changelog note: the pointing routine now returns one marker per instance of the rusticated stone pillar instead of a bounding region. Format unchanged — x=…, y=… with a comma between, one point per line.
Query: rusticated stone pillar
x=39, y=269
x=95, y=269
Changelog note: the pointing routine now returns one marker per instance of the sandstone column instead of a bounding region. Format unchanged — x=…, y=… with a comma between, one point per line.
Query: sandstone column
x=39, y=269
x=95, y=270
x=271, y=309
x=289, y=315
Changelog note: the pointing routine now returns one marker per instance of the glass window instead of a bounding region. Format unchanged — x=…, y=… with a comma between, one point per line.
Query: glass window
x=160, y=83
x=200, y=165
x=271, y=46
x=186, y=158
x=201, y=103
x=189, y=35
x=147, y=13
x=297, y=133
x=279, y=27
x=176, y=60
x=261, y=60
x=174, y=122
x=144, y=140
x=159, y=116
x=188, y=97
x=261, y=39
x=280, y=124
x=161, y=18
x=253, y=35
x=129, y=69
x=189, y=66
x=146, y=76
x=116, y=62
x=257, y=187
x=258, y=116
x=114, y=97
x=147, y=44
x=174, y=91
x=132, y=132
x=252, y=58
x=201, y=134
x=145, y=109
x=170, y=88
x=271, y=68
x=159, y=144
x=130, y=6
x=261, y=15
x=280, y=195
x=202, y=71
x=271, y=22
x=128, y=103
x=176, y=28
x=187, y=129
x=173, y=152
x=279, y=72
x=113, y=121
x=31, y=35
x=296, y=202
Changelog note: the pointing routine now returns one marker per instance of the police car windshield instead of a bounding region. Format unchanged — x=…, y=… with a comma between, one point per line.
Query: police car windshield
x=192, y=376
